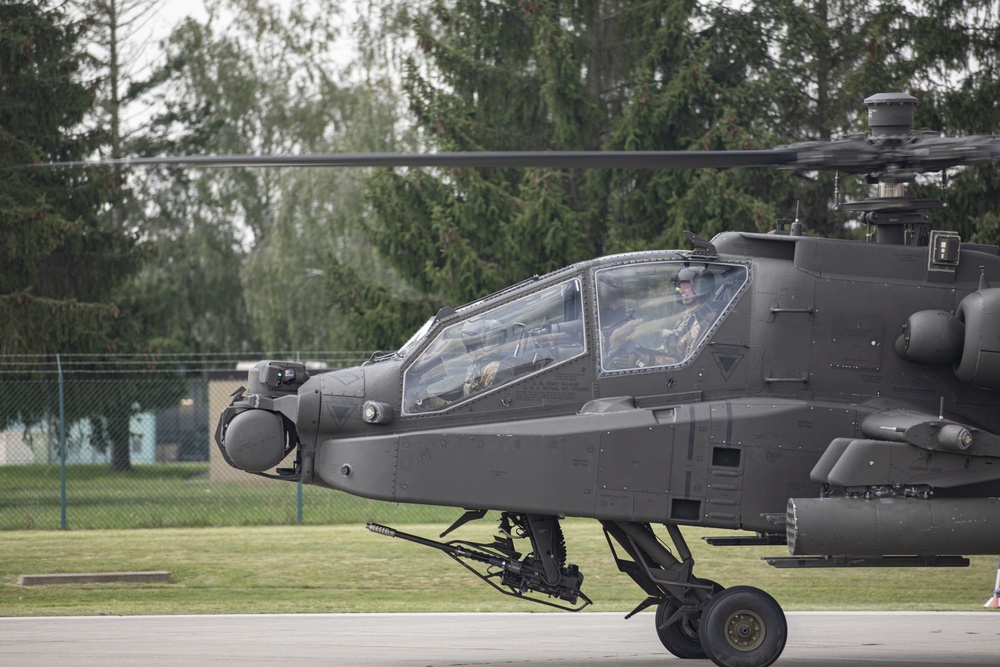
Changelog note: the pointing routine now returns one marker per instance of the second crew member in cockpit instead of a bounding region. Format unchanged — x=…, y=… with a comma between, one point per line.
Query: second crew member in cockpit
x=694, y=287
x=483, y=341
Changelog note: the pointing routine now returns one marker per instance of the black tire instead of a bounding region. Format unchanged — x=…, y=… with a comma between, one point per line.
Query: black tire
x=681, y=637
x=743, y=627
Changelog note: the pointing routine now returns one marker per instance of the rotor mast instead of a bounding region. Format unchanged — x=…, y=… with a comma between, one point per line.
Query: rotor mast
x=890, y=115
x=900, y=220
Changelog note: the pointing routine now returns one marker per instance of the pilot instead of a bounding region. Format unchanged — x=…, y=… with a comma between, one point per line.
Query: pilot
x=483, y=339
x=694, y=287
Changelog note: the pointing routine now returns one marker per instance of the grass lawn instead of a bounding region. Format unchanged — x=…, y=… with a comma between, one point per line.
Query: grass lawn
x=272, y=569
x=178, y=495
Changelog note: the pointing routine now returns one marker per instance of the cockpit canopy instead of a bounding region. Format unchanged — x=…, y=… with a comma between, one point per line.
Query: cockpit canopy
x=658, y=314
x=491, y=349
x=652, y=314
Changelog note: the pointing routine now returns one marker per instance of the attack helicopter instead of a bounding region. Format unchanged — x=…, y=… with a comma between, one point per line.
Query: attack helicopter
x=836, y=396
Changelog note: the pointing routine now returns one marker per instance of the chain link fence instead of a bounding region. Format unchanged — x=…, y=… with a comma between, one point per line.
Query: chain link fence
x=111, y=442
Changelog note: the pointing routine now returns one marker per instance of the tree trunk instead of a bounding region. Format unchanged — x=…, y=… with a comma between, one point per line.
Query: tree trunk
x=120, y=436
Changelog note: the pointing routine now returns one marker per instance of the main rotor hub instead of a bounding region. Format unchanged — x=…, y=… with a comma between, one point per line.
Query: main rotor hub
x=890, y=114
x=900, y=219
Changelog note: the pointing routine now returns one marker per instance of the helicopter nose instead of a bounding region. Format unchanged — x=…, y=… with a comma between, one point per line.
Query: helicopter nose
x=255, y=440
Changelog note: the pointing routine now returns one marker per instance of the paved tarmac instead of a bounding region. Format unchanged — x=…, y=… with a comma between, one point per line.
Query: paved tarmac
x=816, y=639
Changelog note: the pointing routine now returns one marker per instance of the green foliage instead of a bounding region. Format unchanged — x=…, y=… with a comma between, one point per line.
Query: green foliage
x=659, y=75
x=960, y=94
x=378, y=312
x=303, y=259
x=503, y=76
x=28, y=320
x=63, y=264
x=595, y=75
x=198, y=221
x=244, y=252
x=59, y=265
x=832, y=54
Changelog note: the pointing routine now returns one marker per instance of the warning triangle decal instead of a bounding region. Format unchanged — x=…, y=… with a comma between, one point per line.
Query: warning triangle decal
x=727, y=363
x=340, y=412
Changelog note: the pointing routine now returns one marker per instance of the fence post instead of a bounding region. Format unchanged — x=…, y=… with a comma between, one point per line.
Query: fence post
x=298, y=501
x=62, y=446
x=298, y=485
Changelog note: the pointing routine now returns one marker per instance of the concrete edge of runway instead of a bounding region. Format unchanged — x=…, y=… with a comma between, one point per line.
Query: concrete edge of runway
x=483, y=639
x=445, y=614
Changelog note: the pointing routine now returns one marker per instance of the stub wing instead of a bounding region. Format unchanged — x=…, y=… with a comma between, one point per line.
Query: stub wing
x=914, y=485
x=910, y=451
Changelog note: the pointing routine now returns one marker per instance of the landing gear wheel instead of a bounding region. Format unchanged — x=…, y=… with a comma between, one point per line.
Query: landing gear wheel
x=743, y=627
x=681, y=637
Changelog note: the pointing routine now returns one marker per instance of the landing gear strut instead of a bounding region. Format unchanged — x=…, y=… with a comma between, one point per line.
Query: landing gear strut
x=697, y=618
x=677, y=627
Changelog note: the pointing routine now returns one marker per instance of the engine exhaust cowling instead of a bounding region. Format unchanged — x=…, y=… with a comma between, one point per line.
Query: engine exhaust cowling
x=969, y=339
x=931, y=337
x=979, y=364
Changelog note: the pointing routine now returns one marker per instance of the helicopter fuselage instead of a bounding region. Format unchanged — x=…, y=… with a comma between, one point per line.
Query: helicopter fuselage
x=799, y=352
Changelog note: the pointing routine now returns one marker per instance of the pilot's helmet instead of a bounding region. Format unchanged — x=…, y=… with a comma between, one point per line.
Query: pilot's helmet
x=702, y=281
x=480, y=332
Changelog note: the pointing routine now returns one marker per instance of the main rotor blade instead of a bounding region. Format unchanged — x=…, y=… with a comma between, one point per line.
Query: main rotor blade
x=917, y=153
x=540, y=159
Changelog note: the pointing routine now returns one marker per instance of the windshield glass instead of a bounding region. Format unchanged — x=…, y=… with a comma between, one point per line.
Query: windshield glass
x=659, y=313
x=496, y=347
x=416, y=338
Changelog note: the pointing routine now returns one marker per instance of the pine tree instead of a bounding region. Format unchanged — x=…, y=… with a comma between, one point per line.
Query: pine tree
x=60, y=265
x=549, y=75
x=958, y=88
x=507, y=76
x=654, y=75
x=800, y=70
